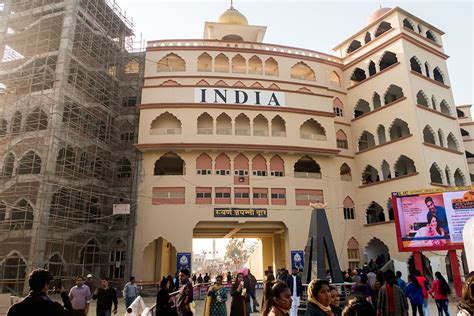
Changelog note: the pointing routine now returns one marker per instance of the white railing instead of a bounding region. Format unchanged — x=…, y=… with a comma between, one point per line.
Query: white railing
x=224, y=131
x=312, y=175
x=279, y=133
x=313, y=136
x=242, y=131
x=199, y=43
x=205, y=130
x=165, y=131
x=260, y=132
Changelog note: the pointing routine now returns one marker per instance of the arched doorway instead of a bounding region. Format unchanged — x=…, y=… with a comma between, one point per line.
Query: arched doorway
x=159, y=259
x=377, y=248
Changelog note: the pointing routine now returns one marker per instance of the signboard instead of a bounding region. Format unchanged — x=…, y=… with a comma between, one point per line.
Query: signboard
x=432, y=219
x=297, y=259
x=240, y=212
x=183, y=261
x=236, y=96
x=121, y=209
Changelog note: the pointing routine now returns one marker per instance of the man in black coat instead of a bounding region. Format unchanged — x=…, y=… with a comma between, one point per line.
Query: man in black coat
x=105, y=296
x=296, y=288
x=38, y=302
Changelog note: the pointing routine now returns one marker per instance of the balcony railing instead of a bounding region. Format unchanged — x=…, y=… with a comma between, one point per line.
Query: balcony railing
x=260, y=132
x=242, y=132
x=311, y=175
x=312, y=136
x=205, y=130
x=165, y=131
x=224, y=131
x=279, y=133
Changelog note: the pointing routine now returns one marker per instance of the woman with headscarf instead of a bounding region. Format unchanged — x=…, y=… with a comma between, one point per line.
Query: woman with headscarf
x=164, y=305
x=216, y=299
x=391, y=300
x=319, y=299
x=466, y=305
x=238, y=293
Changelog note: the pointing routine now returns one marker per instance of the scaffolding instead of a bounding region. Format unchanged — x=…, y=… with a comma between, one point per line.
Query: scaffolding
x=70, y=77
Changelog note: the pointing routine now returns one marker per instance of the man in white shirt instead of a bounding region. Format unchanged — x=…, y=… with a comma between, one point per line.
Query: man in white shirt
x=296, y=288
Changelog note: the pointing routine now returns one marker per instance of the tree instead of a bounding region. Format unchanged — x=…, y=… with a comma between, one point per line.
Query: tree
x=237, y=253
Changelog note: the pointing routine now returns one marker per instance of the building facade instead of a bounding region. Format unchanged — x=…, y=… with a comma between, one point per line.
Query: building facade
x=69, y=82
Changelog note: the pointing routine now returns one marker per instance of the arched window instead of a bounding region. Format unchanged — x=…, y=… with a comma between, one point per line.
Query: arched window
x=16, y=123
x=241, y=169
x=441, y=137
x=459, y=178
x=171, y=63
x=420, y=28
x=430, y=35
x=239, y=64
x=382, y=28
x=398, y=129
x=221, y=63
x=335, y=79
x=447, y=171
x=392, y=94
x=415, y=64
x=438, y=75
x=277, y=166
x=460, y=113
x=427, y=69
x=366, y=141
x=204, y=62
x=429, y=135
x=204, y=165
x=367, y=37
x=422, y=99
x=452, y=142
x=338, y=107
x=435, y=174
x=307, y=167
x=372, y=68
x=3, y=127
x=21, y=216
x=376, y=101
x=13, y=271
x=341, y=140
x=30, y=163
x=169, y=164
x=355, y=44
x=278, y=127
x=358, y=75
x=375, y=213
x=242, y=125
x=362, y=107
x=302, y=71
x=255, y=65
x=345, y=172
x=433, y=102
x=131, y=67
x=370, y=175
x=259, y=166
x=223, y=165
x=223, y=124
x=391, y=215
x=271, y=67
x=260, y=126
x=124, y=168
x=386, y=174
x=348, y=208
x=65, y=160
x=311, y=129
x=166, y=124
x=444, y=107
x=353, y=252
x=404, y=166
x=408, y=24
x=388, y=59
x=8, y=166
x=381, y=134
x=464, y=133
x=90, y=255
x=36, y=121
x=205, y=124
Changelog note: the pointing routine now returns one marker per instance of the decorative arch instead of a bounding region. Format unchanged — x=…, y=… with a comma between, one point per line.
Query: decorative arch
x=375, y=213
x=388, y=59
x=348, y=208
x=30, y=163
x=341, y=140
x=242, y=125
x=436, y=174
x=438, y=75
x=307, y=167
x=448, y=174
x=376, y=101
x=302, y=71
x=37, y=120
x=445, y=108
x=221, y=63
x=165, y=124
x=169, y=164
x=427, y=69
x=382, y=28
x=357, y=76
x=338, y=107
x=415, y=64
x=452, y=142
x=386, y=174
x=334, y=79
x=223, y=124
x=381, y=134
x=367, y=37
x=271, y=67
x=278, y=126
x=222, y=165
x=260, y=126
x=459, y=178
x=404, y=166
x=65, y=160
x=8, y=165
x=124, y=168
x=441, y=137
x=422, y=99
x=21, y=215
x=204, y=62
x=431, y=36
x=239, y=64
x=372, y=68
x=392, y=94
x=259, y=166
x=13, y=269
x=277, y=166
x=366, y=141
x=429, y=136
x=171, y=63
x=203, y=164
x=205, y=124
x=370, y=175
x=255, y=65
x=362, y=107
x=345, y=172
x=312, y=129
x=408, y=24
x=399, y=129
x=355, y=44
x=221, y=83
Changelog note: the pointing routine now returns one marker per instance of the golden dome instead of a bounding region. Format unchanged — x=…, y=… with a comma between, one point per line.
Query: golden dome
x=233, y=16
x=377, y=14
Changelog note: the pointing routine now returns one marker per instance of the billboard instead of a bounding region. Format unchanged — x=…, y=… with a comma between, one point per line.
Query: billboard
x=432, y=219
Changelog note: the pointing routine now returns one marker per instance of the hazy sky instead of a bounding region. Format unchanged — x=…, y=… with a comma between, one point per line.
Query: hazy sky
x=326, y=23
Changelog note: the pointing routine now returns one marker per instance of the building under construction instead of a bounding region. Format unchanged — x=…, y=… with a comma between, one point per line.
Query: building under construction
x=70, y=77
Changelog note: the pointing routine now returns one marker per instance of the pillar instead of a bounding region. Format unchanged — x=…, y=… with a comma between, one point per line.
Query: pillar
x=455, y=272
x=267, y=253
x=418, y=261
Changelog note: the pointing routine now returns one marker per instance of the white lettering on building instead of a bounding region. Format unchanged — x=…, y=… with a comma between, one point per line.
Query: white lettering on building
x=235, y=96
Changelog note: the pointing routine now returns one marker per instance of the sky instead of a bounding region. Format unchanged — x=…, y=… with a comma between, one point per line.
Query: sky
x=327, y=23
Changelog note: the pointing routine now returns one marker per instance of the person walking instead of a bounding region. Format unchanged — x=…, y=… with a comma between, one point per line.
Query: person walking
x=391, y=300
x=440, y=291
x=319, y=299
x=400, y=282
x=38, y=302
x=229, y=277
x=200, y=279
x=466, y=305
x=238, y=293
x=164, y=304
x=250, y=293
x=296, y=288
x=216, y=299
x=90, y=283
x=357, y=306
x=253, y=286
x=105, y=296
x=206, y=278
x=362, y=288
x=184, y=299
x=415, y=294
x=130, y=292
x=80, y=296
x=424, y=287
x=279, y=300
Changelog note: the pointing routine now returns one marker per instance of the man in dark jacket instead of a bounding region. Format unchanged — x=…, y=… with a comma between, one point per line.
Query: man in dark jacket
x=185, y=294
x=253, y=284
x=296, y=288
x=105, y=296
x=38, y=302
x=250, y=294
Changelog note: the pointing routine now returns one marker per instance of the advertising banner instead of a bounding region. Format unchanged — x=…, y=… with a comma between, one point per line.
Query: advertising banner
x=297, y=259
x=183, y=261
x=432, y=219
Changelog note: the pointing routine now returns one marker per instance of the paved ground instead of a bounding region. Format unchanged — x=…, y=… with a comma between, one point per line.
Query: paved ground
x=199, y=306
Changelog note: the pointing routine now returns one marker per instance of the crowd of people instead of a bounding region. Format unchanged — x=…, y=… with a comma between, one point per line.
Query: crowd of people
x=387, y=296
